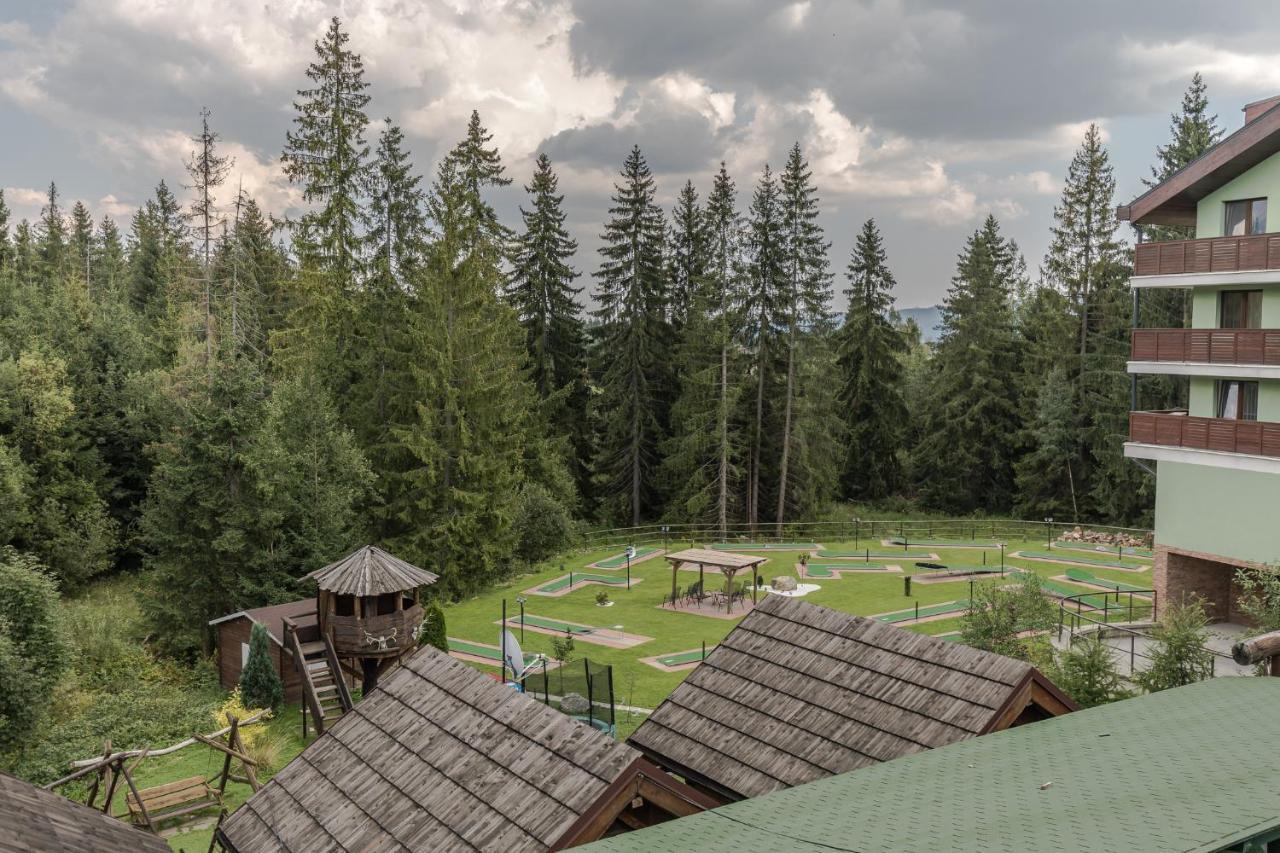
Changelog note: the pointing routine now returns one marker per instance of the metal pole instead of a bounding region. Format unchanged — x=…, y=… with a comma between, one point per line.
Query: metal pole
x=503, y=650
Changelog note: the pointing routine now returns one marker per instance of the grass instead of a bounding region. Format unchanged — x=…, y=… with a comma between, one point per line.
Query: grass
x=617, y=561
x=925, y=612
x=1113, y=563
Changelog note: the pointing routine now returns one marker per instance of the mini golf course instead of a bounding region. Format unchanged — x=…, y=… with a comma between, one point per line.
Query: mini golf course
x=586, y=633
x=483, y=651
x=1068, y=545
x=618, y=561
x=681, y=658
x=1132, y=565
x=946, y=608
x=764, y=546
x=957, y=571
x=875, y=555
x=1119, y=586
x=941, y=543
x=834, y=570
x=573, y=580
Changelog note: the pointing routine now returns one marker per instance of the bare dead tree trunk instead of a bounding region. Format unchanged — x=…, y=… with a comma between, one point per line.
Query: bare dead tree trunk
x=786, y=429
x=723, y=499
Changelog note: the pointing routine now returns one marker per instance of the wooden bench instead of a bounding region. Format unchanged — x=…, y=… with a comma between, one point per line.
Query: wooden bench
x=152, y=805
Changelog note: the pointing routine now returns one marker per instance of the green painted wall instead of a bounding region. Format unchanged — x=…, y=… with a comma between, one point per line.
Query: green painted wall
x=1262, y=181
x=1201, y=401
x=1218, y=511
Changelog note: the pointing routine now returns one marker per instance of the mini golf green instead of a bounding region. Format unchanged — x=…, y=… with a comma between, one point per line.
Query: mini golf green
x=481, y=650
x=924, y=612
x=1087, y=577
x=963, y=569
x=553, y=625
x=875, y=555
x=1059, y=557
x=764, y=546
x=620, y=560
x=832, y=570
x=580, y=577
x=943, y=543
x=680, y=658
x=1097, y=600
x=1068, y=545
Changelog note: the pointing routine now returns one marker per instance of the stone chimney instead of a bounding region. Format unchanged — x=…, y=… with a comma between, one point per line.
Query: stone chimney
x=1257, y=108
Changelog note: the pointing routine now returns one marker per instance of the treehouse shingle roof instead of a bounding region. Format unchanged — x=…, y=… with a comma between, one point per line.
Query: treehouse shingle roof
x=371, y=571
x=440, y=757
x=33, y=820
x=798, y=692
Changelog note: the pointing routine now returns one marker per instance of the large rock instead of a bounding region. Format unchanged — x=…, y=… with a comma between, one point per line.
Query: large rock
x=575, y=704
x=784, y=584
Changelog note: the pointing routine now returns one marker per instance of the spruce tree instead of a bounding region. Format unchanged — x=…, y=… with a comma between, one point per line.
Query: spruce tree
x=1046, y=478
x=6, y=243
x=478, y=167
x=630, y=294
x=542, y=292
x=1193, y=132
x=762, y=315
x=260, y=685
x=208, y=170
x=964, y=461
x=108, y=261
x=703, y=457
x=686, y=255
x=326, y=154
x=432, y=631
x=870, y=347
x=805, y=311
x=52, y=233
x=81, y=245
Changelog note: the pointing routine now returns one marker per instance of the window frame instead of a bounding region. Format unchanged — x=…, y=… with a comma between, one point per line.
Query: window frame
x=1221, y=390
x=1250, y=294
x=1248, y=216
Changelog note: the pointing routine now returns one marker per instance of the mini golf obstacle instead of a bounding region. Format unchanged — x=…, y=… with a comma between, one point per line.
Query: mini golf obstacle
x=1134, y=565
x=473, y=652
x=929, y=611
x=869, y=555
x=619, y=561
x=834, y=571
x=944, y=572
x=764, y=546
x=566, y=584
x=678, y=660
x=1083, y=576
x=1069, y=545
x=612, y=637
x=907, y=542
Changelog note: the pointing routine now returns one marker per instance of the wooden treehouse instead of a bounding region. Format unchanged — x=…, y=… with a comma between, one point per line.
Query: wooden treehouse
x=367, y=617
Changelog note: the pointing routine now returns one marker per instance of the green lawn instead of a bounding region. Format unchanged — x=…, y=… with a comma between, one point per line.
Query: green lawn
x=617, y=561
x=1131, y=563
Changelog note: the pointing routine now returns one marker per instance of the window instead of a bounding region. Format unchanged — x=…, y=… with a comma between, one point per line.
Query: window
x=244, y=655
x=344, y=605
x=1241, y=309
x=1248, y=216
x=1237, y=401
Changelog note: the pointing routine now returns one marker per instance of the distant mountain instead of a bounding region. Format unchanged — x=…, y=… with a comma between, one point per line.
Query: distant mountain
x=928, y=319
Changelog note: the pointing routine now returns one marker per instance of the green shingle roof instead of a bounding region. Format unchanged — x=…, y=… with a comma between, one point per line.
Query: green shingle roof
x=1190, y=769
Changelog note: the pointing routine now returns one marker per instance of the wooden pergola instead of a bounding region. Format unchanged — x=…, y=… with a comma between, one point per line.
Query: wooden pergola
x=727, y=562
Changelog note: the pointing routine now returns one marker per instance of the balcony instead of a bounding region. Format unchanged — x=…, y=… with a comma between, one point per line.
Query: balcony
x=1217, y=435
x=1245, y=353
x=384, y=635
x=1209, y=256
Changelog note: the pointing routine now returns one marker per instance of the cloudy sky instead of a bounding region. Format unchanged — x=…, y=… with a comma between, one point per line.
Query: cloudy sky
x=925, y=115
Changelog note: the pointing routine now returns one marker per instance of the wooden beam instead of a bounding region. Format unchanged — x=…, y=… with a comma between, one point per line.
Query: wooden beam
x=1256, y=649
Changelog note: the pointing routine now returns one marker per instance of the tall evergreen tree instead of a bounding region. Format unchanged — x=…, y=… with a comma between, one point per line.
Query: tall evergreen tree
x=208, y=170
x=542, y=292
x=870, y=347
x=763, y=300
x=108, y=261
x=1193, y=132
x=686, y=255
x=964, y=461
x=52, y=234
x=805, y=309
x=327, y=155
x=6, y=242
x=81, y=245
x=703, y=457
x=630, y=293
x=478, y=167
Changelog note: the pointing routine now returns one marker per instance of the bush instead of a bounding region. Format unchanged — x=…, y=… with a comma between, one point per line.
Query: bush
x=999, y=613
x=259, y=683
x=602, y=597
x=542, y=524
x=432, y=631
x=1087, y=673
x=33, y=653
x=1179, y=655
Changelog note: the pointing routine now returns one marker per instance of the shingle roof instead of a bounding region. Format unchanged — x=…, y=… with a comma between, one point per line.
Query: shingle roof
x=1187, y=770
x=272, y=617
x=715, y=558
x=33, y=820
x=371, y=571
x=440, y=757
x=797, y=692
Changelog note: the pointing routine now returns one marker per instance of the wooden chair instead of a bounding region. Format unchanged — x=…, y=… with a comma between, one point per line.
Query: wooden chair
x=151, y=805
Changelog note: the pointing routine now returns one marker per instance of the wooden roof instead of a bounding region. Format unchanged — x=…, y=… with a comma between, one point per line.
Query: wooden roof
x=1173, y=201
x=272, y=617
x=721, y=559
x=443, y=757
x=34, y=820
x=798, y=692
x=371, y=571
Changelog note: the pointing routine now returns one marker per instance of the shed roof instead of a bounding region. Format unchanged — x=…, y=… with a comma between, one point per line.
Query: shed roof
x=1179, y=770
x=272, y=617
x=798, y=692
x=723, y=559
x=371, y=571
x=34, y=820
x=440, y=757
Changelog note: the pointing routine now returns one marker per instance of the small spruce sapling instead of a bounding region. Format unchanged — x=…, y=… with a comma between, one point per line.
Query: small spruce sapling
x=259, y=684
x=432, y=630
x=1180, y=655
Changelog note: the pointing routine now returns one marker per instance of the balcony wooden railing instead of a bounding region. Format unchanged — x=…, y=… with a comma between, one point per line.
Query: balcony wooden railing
x=1211, y=254
x=1178, y=429
x=1209, y=346
x=351, y=634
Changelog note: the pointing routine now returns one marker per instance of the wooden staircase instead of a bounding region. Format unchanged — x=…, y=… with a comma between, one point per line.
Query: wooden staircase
x=324, y=689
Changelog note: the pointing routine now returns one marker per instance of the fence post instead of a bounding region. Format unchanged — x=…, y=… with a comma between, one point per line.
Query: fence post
x=917, y=610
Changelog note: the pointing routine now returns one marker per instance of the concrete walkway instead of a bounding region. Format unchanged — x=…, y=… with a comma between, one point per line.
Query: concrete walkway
x=1222, y=636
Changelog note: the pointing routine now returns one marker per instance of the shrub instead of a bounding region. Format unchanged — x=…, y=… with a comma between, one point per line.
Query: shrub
x=602, y=597
x=542, y=524
x=259, y=683
x=1087, y=673
x=1179, y=655
x=33, y=653
x=432, y=630
x=1000, y=612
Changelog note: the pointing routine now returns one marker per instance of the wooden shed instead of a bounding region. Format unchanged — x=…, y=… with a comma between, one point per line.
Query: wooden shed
x=232, y=632
x=34, y=820
x=798, y=692
x=443, y=757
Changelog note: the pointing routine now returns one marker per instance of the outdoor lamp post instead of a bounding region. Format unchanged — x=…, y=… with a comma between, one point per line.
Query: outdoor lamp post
x=520, y=599
x=631, y=552
x=1048, y=532
x=665, y=530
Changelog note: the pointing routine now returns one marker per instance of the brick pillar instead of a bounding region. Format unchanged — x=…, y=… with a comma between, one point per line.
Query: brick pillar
x=1176, y=575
